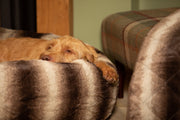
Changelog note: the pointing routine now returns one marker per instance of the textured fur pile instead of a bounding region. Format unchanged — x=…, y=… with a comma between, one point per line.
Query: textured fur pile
x=154, y=92
x=42, y=90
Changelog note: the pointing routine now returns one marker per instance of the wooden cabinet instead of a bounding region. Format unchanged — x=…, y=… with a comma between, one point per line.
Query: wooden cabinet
x=55, y=16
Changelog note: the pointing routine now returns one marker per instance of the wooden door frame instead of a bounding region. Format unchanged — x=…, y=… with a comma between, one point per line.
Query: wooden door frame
x=55, y=16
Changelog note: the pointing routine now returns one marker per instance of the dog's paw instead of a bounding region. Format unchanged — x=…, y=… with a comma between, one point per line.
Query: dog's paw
x=110, y=74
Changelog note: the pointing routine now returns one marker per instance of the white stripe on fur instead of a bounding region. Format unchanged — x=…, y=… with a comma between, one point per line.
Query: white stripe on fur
x=49, y=86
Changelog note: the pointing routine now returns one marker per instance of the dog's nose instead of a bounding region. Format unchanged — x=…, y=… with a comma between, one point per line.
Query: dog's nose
x=46, y=57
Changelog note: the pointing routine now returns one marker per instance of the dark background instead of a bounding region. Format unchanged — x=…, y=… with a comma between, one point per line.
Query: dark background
x=18, y=14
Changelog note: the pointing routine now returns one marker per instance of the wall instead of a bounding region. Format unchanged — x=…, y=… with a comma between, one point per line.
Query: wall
x=154, y=4
x=88, y=15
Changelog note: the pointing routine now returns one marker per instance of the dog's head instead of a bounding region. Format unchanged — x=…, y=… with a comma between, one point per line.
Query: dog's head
x=67, y=49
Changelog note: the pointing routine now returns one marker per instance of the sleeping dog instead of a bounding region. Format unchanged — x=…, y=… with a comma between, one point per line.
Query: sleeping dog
x=62, y=49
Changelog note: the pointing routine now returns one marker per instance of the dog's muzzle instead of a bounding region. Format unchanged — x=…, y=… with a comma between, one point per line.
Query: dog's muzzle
x=45, y=57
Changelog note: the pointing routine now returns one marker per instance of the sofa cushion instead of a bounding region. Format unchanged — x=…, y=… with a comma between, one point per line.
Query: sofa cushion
x=123, y=33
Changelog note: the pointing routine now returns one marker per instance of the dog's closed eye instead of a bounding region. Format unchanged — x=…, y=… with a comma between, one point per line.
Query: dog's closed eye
x=68, y=51
x=49, y=47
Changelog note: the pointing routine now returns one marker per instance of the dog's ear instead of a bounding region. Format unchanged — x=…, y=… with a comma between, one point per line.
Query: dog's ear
x=90, y=58
x=92, y=55
x=92, y=50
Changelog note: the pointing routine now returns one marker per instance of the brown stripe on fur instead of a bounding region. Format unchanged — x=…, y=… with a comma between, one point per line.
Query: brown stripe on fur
x=108, y=100
x=72, y=96
x=9, y=87
x=27, y=82
x=90, y=84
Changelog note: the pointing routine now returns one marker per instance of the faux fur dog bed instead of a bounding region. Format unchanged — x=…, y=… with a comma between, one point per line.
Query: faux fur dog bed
x=42, y=90
x=154, y=92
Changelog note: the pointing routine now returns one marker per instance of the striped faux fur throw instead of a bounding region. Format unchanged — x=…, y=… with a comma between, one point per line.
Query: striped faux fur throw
x=154, y=92
x=42, y=90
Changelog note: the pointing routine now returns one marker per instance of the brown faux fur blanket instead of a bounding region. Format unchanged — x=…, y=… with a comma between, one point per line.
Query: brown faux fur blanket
x=154, y=92
x=42, y=90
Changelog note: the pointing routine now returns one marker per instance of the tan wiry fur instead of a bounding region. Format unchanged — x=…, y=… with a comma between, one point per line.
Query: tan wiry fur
x=63, y=49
